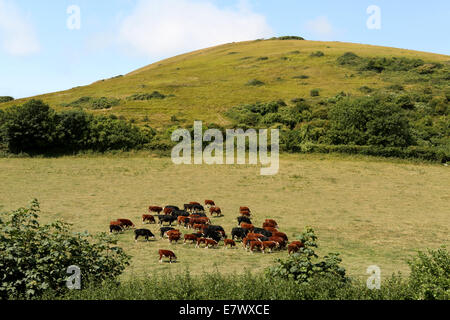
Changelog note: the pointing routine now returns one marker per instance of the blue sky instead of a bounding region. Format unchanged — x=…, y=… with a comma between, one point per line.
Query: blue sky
x=40, y=54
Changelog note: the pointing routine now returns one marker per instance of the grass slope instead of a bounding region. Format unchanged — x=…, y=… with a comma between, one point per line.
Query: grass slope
x=207, y=82
x=371, y=211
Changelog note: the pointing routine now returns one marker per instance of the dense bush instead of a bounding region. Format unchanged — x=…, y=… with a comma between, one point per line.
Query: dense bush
x=35, y=128
x=430, y=275
x=6, y=99
x=147, y=96
x=315, y=92
x=304, y=265
x=317, y=54
x=288, y=38
x=255, y=82
x=34, y=258
x=93, y=103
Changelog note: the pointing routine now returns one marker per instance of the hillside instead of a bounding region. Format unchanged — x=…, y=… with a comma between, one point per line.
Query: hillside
x=201, y=85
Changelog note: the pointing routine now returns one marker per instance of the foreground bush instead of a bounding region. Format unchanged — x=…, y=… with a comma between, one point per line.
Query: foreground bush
x=34, y=258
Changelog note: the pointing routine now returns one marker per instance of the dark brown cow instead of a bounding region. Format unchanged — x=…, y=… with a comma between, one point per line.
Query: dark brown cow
x=148, y=218
x=198, y=226
x=280, y=241
x=292, y=248
x=200, y=241
x=247, y=240
x=269, y=244
x=229, y=242
x=209, y=203
x=173, y=232
x=248, y=226
x=174, y=237
x=269, y=224
x=255, y=244
x=126, y=223
x=245, y=213
x=155, y=209
x=272, y=222
x=255, y=235
x=167, y=211
x=298, y=244
x=182, y=220
x=215, y=210
x=244, y=209
x=167, y=254
x=190, y=237
x=271, y=229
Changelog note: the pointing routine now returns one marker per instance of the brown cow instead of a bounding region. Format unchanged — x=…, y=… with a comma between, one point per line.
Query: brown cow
x=172, y=232
x=293, y=248
x=255, y=235
x=272, y=230
x=210, y=203
x=181, y=220
x=229, y=242
x=148, y=218
x=115, y=226
x=244, y=209
x=198, y=226
x=269, y=224
x=190, y=237
x=174, y=237
x=167, y=211
x=272, y=222
x=298, y=244
x=167, y=254
x=155, y=209
x=280, y=234
x=200, y=241
x=280, y=241
x=245, y=213
x=210, y=242
x=269, y=244
x=255, y=244
x=195, y=203
x=247, y=240
x=126, y=223
x=215, y=210
x=248, y=226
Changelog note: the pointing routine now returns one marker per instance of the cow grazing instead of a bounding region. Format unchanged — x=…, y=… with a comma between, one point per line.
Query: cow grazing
x=298, y=244
x=179, y=213
x=143, y=233
x=164, y=230
x=174, y=237
x=164, y=219
x=210, y=243
x=281, y=235
x=215, y=210
x=195, y=203
x=212, y=234
x=115, y=228
x=243, y=219
x=148, y=218
x=269, y=224
x=238, y=233
x=269, y=245
x=210, y=203
x=263, y=232
x=244, y=209
x=167, y=254
x=190, y=237
x=155, y=209
x=200, y=241
x=272, y=222
x=167, y=211
x=293, y=248
x=254, y=245
x=229, y=242
x=126, y=223
x=255, y=235
x=271, y=229
x=245, y=214
x=280, y=241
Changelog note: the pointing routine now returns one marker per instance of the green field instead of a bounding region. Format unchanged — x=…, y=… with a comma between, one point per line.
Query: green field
x=372, y=211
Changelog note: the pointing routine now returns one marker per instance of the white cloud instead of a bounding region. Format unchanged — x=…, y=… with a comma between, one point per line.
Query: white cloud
x=320, y=28
x=159, y=28
x=17, y=35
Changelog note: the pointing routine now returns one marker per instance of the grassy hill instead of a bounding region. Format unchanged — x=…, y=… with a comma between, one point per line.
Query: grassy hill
x=201, y=85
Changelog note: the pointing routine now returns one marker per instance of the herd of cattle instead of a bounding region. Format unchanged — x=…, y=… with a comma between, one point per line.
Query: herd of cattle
x=193, y=217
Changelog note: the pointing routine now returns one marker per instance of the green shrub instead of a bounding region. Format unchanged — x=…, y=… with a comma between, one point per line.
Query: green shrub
x=301, y=77
x=365, y=89
x=255, y=82
x=6, y=99
x=34, y=257
x=349, y=58
x=304, y=266
x=430, y=275
x=104, y=103
x=290, y=38
x=317, y=54
x=262, y=59
x=147, y=96
x=315, y=92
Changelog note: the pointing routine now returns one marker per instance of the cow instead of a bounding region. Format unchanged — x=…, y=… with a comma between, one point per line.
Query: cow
x=229, y=242
x=272, y=222
x=168, y=219
x=167, y=254
x=190, y=237
x=255, y=235
x=248, y=226
x=239, y=233
x=195, y=203
x=164, y=230
x=246, y=214
x=211, y=243
x=174, y=237
x=255, y=244
x=263, y=232
x=293, y=248
x=243, y=219
x=281, y=235
x=270, y=245
x=115, y=228
x=248, y=239
x=179, y=213
x=198, y=226
x=244, y=209
x=269, y=224
x=198, y=208
x=188, y=207
x=167, y=211
x=271, y=229
x=200, y=241
x=280, y=241
x=212, y=234
x=298, y=244
x=209, y=203
x=155, y=209
x=215, y=210
x=148, y=218
x=126, y=223
x=143, y=233
x=174, y=208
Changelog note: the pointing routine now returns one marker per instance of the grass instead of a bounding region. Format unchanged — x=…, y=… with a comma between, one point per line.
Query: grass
x=372, y=211
x=205, y=83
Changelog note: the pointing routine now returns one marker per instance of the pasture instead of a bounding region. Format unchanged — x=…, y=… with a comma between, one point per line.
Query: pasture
x=372, y=211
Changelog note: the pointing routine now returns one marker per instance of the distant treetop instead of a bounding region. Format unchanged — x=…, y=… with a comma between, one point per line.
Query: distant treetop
x=287, y=38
